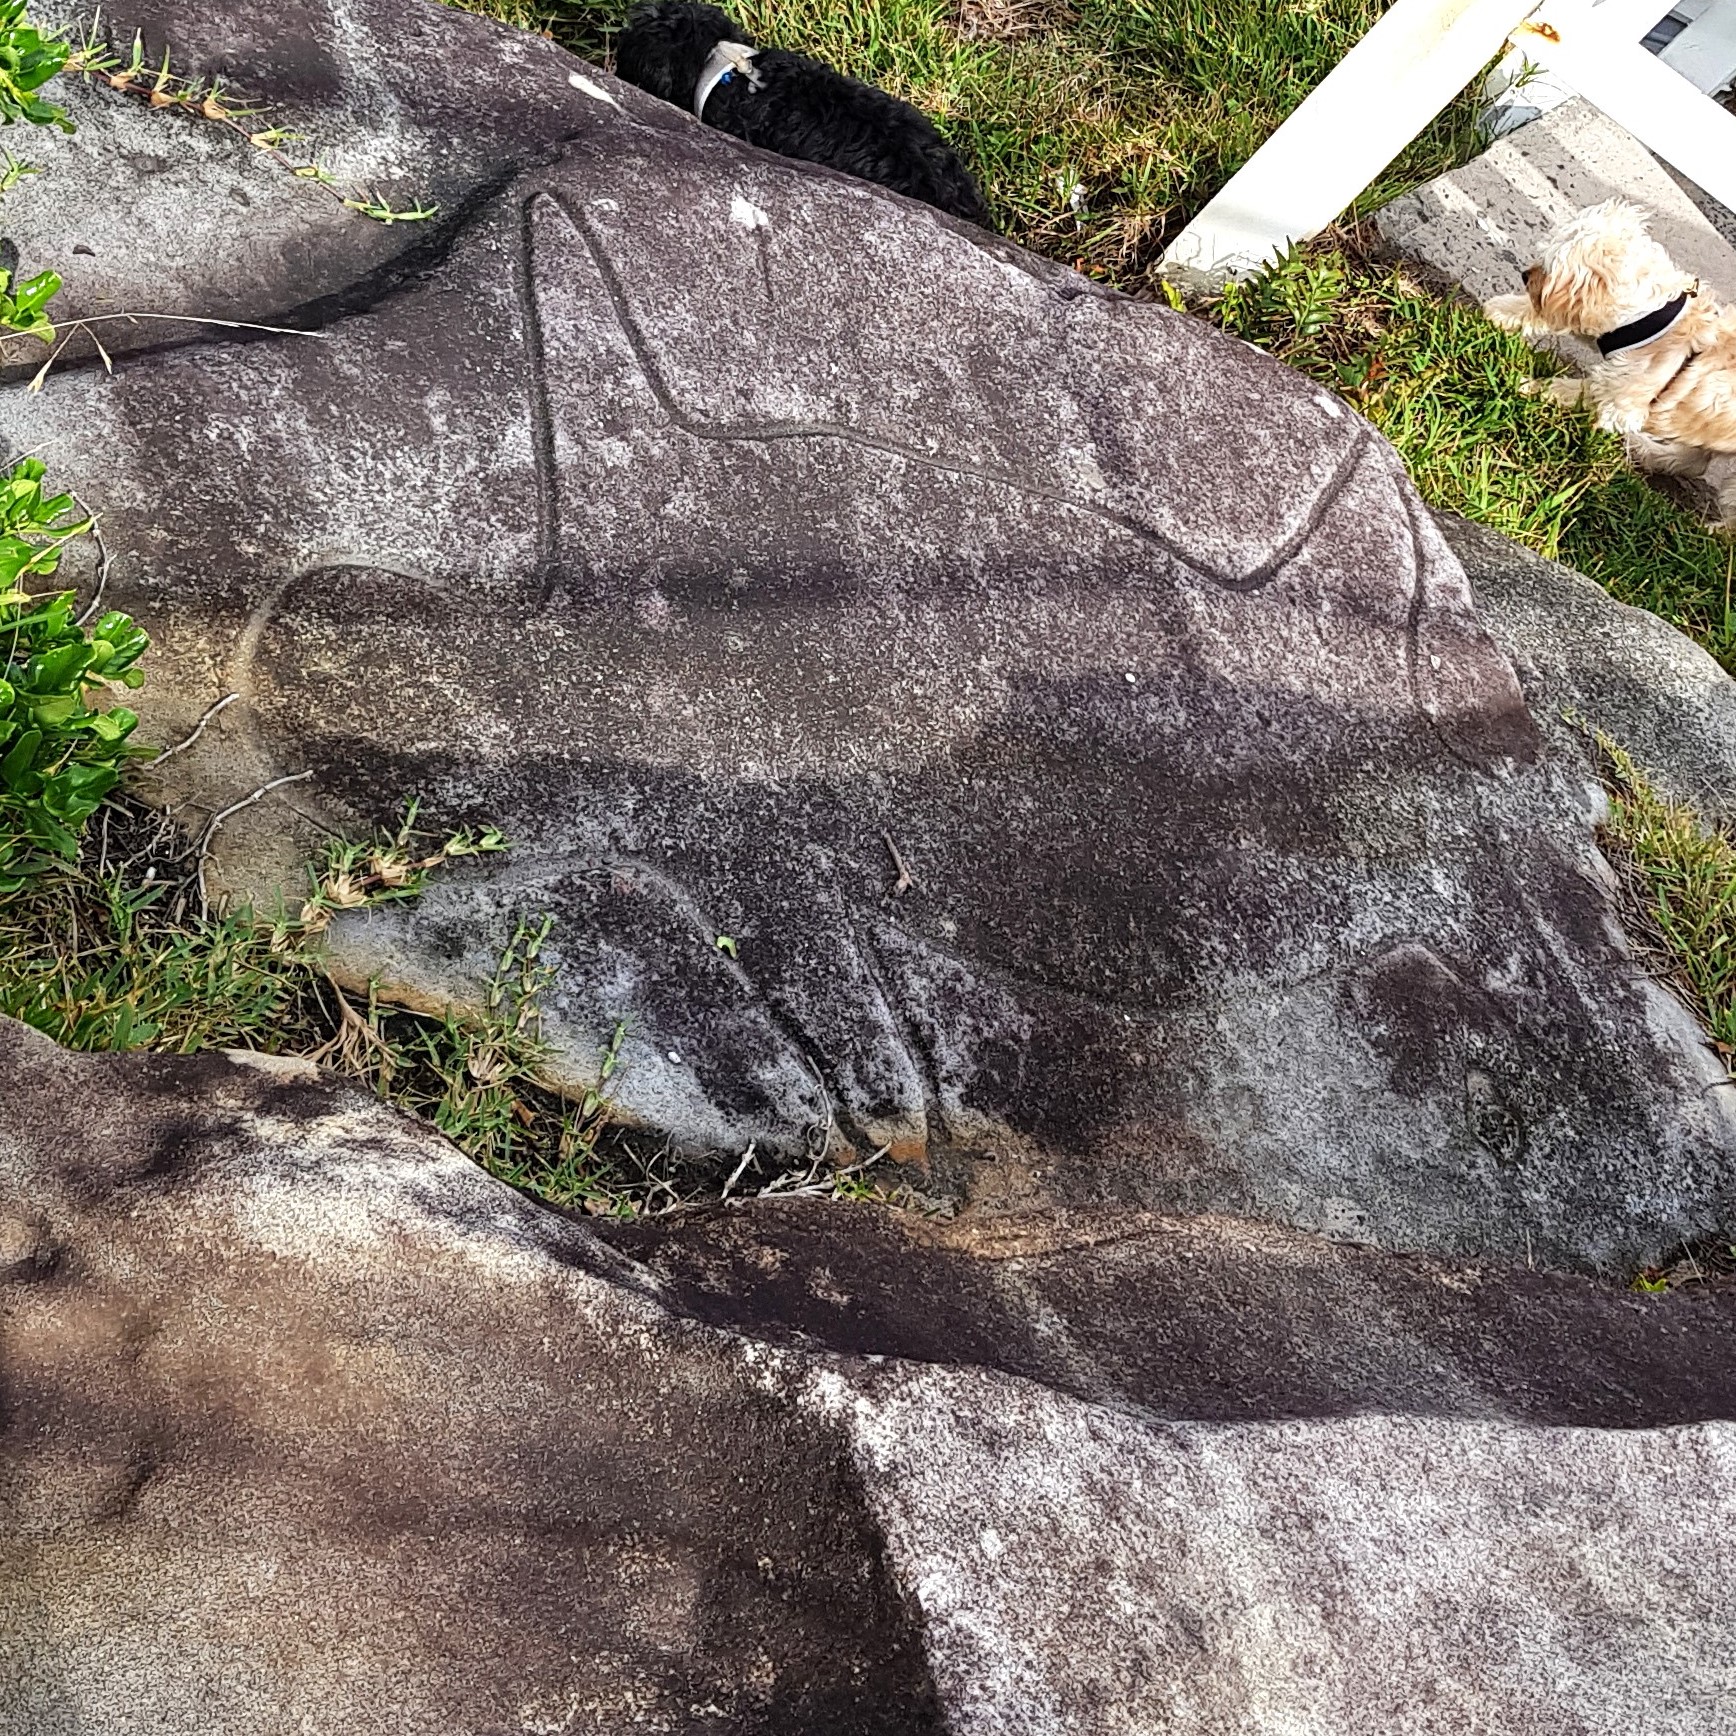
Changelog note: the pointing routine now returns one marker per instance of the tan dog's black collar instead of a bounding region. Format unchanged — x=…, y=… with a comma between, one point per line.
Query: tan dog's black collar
x=1646, y=327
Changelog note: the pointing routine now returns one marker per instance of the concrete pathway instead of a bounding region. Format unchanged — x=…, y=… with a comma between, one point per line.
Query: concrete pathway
x=1481, y=224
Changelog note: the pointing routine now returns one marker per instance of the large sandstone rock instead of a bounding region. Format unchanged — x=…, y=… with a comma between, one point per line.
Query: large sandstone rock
x=309, y=1425
x=720, y=527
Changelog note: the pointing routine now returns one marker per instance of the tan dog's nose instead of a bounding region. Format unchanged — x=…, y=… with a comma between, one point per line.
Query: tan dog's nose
x=1528, y=273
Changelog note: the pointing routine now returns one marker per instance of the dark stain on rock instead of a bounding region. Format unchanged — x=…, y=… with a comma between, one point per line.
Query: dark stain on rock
x=1206, y=1319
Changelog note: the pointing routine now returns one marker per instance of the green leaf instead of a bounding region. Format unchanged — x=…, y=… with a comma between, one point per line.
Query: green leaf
x=55, y=671
x=61, y=756
x=111, y=726
x=58, y=710
x=16, y=767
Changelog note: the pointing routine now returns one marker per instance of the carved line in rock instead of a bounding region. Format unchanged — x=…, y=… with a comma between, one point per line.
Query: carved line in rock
x=549, y=865
x=698, y=429
x=238, y=675
x=529, y=870
x=554, y=864
x=240, y=680
x=1468, y=757
x=542, y=427
x=918, y=1057
x=918, y=1053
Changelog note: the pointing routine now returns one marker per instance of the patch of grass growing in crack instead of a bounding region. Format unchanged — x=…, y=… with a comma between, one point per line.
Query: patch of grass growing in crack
x=1681, y=875
x=114, y=950
x=1678, y=878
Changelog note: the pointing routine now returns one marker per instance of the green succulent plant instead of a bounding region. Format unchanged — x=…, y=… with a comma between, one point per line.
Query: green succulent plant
x=29, y=58
x=60, y=754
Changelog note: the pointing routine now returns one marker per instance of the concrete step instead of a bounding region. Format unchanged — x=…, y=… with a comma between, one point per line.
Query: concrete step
x=1481, y=224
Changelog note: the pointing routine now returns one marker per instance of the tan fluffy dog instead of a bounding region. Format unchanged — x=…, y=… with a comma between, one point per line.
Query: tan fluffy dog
x=1667, y=377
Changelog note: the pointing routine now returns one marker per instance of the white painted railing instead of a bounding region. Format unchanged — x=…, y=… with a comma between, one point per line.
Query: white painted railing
x=1418, y=57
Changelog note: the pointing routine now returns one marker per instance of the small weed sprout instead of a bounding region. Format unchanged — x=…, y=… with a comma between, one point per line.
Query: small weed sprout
x=1290, y=305
x=22, y=308
x=158, y=86
x=12, y=171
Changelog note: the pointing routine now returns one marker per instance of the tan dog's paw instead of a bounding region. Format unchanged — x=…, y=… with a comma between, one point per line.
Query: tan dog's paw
x=1512, y=313
x=1666, y=457
x=1622, y=419
x=1563, y=390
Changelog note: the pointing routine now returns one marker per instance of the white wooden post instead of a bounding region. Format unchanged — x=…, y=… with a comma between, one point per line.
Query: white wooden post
x=1419, y=55
x=1592, y=50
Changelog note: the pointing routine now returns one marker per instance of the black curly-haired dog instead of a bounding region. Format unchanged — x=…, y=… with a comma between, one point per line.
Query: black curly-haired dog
x=698, y=57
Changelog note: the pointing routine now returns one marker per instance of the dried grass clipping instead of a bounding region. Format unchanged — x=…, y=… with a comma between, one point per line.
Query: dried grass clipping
x=1010, y=20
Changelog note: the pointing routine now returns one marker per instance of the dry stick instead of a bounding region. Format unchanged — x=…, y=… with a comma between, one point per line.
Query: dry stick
x=103, y=558
x=789, y=1184
x=831, y=1125
x=217, y=819
x=240, y=325
x=906, y=881
x=73, y=325
x=746, y=1159
x=198, y=730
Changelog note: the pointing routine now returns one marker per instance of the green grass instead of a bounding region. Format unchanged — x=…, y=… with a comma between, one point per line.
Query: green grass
x=1443, y=385
x=116, y=951
x=1680, y=880
x=1682, y=875
x=1095, y=135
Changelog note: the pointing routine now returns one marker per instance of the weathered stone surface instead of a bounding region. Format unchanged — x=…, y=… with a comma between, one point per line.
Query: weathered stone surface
x=146, y=210
x=1208, y=1318
x=1582, y=655
x=716, y=559
x=308, y=1424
